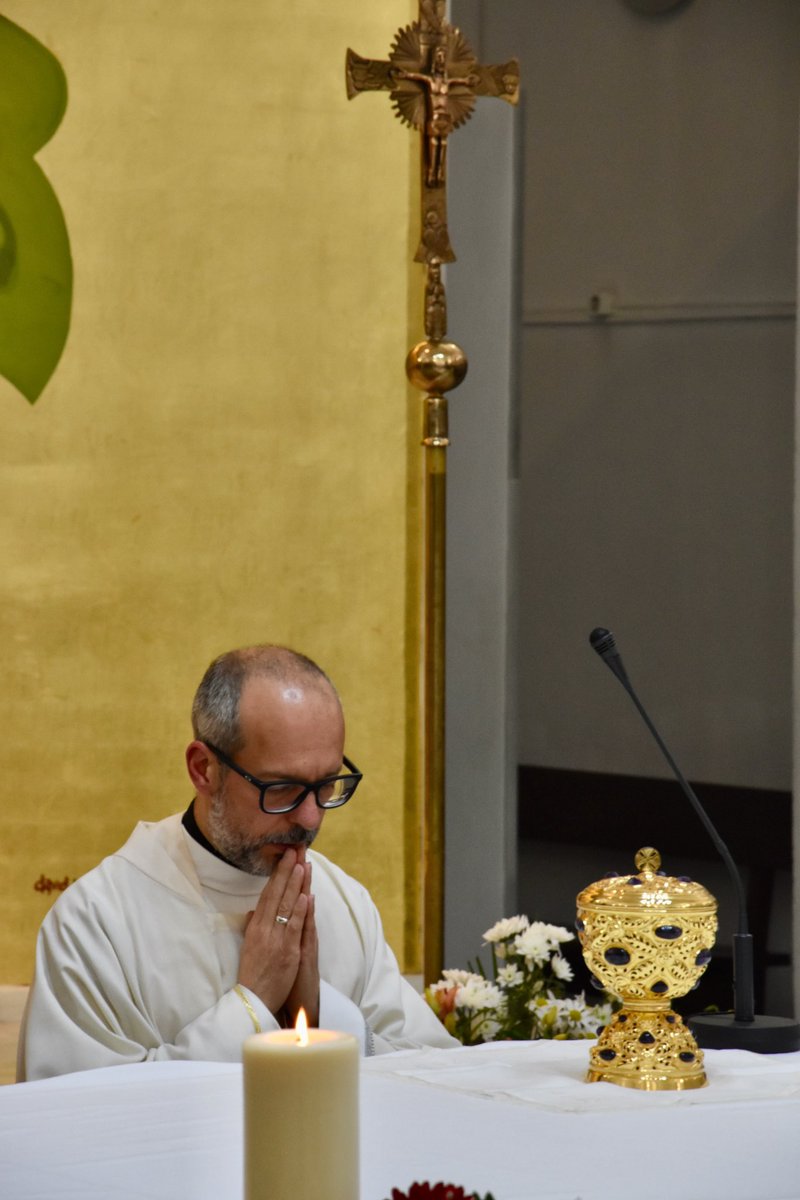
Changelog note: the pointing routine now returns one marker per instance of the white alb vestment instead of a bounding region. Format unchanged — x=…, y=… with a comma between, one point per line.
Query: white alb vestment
x=139, y=958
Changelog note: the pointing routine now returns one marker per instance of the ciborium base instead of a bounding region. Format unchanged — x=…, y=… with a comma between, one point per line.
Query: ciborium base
x=650, y=1050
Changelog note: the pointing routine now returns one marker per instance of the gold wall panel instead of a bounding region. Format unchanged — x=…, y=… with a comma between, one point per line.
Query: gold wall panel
x=226, y=450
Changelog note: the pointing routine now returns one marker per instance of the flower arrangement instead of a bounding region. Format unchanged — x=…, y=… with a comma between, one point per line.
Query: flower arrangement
x=436, y=1191
x=526, y=996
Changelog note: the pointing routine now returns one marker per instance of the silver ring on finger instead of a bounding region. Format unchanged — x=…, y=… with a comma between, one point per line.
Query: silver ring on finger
x=279, y=920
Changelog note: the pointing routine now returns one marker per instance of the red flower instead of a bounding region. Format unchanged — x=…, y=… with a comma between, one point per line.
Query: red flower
x=434, y=1191
x=446, y=1002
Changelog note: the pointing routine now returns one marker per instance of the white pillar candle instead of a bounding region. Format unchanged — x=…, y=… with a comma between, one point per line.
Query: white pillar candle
x=301, y=1116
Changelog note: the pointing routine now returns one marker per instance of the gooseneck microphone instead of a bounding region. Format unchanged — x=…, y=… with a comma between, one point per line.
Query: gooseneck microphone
x=743, y=1029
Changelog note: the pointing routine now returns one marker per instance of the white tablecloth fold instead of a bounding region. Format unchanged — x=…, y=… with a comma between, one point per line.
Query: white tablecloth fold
x=551, y=1076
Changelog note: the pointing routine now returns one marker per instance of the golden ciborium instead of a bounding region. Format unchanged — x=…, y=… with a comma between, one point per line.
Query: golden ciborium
x=647, y=938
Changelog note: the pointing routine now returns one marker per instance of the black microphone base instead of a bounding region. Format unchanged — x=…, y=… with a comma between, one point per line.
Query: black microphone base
x=762, y=1035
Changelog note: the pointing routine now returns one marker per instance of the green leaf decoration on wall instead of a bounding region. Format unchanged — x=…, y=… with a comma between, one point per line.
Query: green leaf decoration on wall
x=35, y=260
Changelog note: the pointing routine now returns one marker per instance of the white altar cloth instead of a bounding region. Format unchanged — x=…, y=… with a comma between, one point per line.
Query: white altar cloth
x=515, y=1119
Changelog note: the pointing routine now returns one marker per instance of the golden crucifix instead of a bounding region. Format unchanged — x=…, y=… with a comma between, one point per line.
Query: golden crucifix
x=433, y=78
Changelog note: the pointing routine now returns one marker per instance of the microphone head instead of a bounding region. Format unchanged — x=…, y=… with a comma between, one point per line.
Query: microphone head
x=602, y=641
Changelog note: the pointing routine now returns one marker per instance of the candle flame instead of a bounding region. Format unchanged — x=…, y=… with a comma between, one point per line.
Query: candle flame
x=301, y=1028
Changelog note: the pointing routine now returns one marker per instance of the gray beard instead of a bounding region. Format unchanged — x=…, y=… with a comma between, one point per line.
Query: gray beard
x=244, y=853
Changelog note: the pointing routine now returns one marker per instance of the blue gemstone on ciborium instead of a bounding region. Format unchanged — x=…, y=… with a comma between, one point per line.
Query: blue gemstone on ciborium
x=617, y=956
x=669, y=932
x=660, y=988
x=607, y=1055
x=646, y=1038
x=703, y=958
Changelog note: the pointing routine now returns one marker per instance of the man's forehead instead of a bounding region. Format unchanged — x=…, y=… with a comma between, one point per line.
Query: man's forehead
x=281, y=718
x=261, y=693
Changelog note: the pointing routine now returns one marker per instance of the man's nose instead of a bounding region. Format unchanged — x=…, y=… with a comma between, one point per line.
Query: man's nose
x=309, y=814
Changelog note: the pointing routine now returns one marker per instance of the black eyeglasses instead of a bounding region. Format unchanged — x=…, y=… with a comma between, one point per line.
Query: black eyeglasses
x=287, y=794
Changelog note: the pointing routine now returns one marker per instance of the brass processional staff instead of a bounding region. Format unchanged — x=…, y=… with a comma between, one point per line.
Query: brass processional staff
x=433, y=78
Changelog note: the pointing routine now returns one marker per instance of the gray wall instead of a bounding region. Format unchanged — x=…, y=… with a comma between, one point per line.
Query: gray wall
x=656, y=457
x=658, y=169
x=481, y=750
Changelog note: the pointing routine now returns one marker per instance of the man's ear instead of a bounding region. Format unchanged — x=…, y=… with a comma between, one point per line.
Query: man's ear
x=203, y=768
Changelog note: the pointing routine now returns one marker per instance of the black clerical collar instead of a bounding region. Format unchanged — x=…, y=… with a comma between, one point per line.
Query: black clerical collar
x=189, y=822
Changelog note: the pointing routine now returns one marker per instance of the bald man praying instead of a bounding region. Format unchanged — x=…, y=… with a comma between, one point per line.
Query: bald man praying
x=220, y=922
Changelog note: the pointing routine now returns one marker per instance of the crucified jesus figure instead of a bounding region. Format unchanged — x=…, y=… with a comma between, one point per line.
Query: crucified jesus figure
x=440, y=120
x=433, y=78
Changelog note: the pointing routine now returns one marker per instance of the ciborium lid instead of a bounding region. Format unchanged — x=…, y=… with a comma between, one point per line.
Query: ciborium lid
x=649, y=888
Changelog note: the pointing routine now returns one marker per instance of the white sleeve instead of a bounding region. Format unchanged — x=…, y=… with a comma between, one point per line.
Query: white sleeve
x=68, y=1027
x=340, y=1013
x=85, y=1009
x=397, y=1016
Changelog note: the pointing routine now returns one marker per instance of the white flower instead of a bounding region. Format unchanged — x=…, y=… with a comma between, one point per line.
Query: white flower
x=557, y=933
x=545, y=1000
x=571, y=1017
x=539, y=940
x=595, y=1017
x=473, y=992
x=508, y=927
x=532, y=944
x=454, y=977
x=479, y=993
x=485, y=1028
x=509, y=976
x=561, y=968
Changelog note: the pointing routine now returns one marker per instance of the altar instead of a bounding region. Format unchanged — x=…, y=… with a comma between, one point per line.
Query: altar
x=515, y=1119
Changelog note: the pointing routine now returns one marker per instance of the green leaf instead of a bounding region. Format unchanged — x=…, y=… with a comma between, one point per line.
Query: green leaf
x=35, y=260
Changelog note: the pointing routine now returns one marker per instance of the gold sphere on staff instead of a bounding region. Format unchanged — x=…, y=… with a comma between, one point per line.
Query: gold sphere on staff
x=436, y=366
